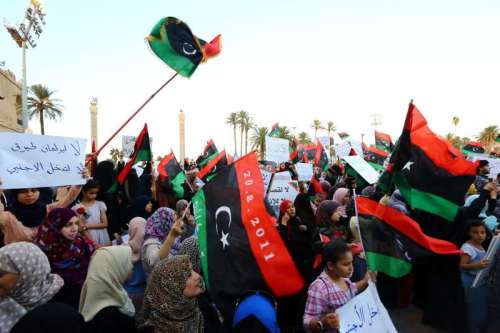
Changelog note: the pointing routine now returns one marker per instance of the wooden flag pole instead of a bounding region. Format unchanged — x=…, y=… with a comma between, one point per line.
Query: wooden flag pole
x=134, y=114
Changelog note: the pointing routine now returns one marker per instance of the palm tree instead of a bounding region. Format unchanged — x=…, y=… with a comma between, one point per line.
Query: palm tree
x=115, y=154
x=455, y=120
x=330, y=127
x=232, y=120
x=242, y=121
x=248, y=125
x=42, y=104
x=304, y=138
x=487, y=136
x=285, y=133
x=316, y=125
x=258, y=140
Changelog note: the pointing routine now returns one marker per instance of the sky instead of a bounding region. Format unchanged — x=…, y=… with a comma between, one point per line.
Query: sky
x=282, y=61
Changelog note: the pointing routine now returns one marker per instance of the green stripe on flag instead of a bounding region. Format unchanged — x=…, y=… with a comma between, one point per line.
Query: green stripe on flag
x=200, y=213
x=391, y=266
x=425, y=201
x=376, y=166
x=177, y=184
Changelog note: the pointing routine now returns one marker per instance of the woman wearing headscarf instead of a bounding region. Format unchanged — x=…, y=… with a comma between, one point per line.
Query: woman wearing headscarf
x=68, y=252
x=13, y=230
x=104, y=303
x=136, y=285
x=25, y=282
x=170, y=303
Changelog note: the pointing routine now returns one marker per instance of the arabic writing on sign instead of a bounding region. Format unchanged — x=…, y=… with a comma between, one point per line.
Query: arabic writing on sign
x=365, y=314
x=47, y=148
x=39, y=166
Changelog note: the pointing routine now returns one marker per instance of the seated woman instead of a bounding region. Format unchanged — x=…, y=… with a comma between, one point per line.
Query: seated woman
x=25, y=282
x=170, y=303
x=50, y=317
x=136, y=285
x=104, y=303
x=68, y=252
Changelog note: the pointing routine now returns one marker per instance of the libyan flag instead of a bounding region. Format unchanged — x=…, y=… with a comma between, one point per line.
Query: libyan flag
x=240, y=246
x=431, y=174
x=391, y=240
x=216, y=164
x=275, y=131
x=209, y=152
x=142, y=152
x=174, y=43
x=383, y=141
x=376, y=157
x=473, y=147
x=169, y=168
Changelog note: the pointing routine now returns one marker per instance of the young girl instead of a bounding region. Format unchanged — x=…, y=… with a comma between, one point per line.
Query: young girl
x=95, y=218
x=471, y=262
x=332, y=288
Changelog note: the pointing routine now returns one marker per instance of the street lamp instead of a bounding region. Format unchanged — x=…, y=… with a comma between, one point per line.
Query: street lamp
x=34, y=18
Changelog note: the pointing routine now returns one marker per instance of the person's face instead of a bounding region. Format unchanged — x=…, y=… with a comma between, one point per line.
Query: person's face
x=345, y=199
x=290, y=210
x=335, y=216
x=477, y=234
x=148, y=208
x=91, y=194
x=484, y=170
x=342, y=267
x=70, y=230
x=318, y=198
x=28, y=196
x=194, y=285
x=7, y=282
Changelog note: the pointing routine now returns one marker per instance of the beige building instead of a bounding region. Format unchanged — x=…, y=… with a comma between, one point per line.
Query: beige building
x=10, y=93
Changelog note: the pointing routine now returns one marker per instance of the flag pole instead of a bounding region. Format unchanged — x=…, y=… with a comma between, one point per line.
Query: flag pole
x=135, y=113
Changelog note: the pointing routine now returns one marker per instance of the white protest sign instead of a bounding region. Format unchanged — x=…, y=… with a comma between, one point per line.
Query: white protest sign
x=480, y=278
x=304, y=171
x=344, y=148
x=363, y=168
x=282, y=190
x=277, y=150
x=365, y=313
x=128, y=144
x=494, y=163
x=28, y=160
x=283, y=176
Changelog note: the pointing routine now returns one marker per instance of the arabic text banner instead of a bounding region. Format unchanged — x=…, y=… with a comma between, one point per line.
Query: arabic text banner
x=29, y=161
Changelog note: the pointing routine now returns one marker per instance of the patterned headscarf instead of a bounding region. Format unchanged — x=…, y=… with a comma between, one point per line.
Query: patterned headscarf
x=325, y=211
x=159, y=224
x=191, y=248
x=136, y=230
x=165, y=306
x=35, y=285
x=68, y=258
x=339, y=197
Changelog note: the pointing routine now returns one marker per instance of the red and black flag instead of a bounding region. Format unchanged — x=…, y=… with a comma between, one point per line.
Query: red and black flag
x=209, y=152
x=174, y=43
x=431, y=174
x=383, y=141
x=216, y=164
x=320, y=157
x=275, y=131
x=170, y=169
x=142, y=152
x=473, y=147
x=294, y=150
x=240, y=246
x=392, y=240
x=308, y=153
x=315, y=188
x=376, y=157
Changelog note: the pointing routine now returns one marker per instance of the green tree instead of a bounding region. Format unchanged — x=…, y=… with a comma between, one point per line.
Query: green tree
x=243, y=118
x=330, y=128
x=232, y=120
x=115, y=154
x=41, y=103
x=455, y=121
x=304, y=138
x=247, y=126
x=284, y=132
x=488, y=136
x=258, y=140
x=316, y=126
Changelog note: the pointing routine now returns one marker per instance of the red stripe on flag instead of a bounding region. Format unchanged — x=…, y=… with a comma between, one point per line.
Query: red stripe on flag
x=383, y=136
x=137, y=147
x=206, y=169
x=164, y=161
x=316, y=185
x=375, y=150
x=405, y=225
x=269, y=250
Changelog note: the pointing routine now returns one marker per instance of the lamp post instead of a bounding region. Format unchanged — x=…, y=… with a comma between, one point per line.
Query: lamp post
x=23, y=37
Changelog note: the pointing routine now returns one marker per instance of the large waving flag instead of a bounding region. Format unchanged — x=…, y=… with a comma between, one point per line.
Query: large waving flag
x=473, y=147
x=392, y=240
x=170, y=169
x=142, y=152
x=431, y=174
x=240, y=246
x=375, y=157
x=174, y=43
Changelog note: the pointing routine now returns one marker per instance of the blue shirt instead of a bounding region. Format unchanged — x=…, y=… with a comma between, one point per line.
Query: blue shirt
x=475, y=255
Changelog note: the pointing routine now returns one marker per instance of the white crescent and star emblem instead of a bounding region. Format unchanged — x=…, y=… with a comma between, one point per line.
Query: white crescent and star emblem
x=224, y=235
x=408, y=165
x=188, y=49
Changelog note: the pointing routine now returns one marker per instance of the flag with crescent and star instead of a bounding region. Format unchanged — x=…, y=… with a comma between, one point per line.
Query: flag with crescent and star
x=174, y=43
x=392, y=240
x=473, y=147
x=383, y=141
x=240, y=246
x=432, y=175
x=375, y=157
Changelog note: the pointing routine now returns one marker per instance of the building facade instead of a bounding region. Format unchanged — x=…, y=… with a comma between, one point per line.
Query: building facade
x=10, y=95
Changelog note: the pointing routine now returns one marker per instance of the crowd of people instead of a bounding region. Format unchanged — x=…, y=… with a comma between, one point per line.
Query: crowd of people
x=105, y=257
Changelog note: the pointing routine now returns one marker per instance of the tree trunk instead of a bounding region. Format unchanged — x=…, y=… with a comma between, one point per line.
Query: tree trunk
x=246, y=142
x=235, y=143
x=42, y=127
x=241, y=142
x=315, y=134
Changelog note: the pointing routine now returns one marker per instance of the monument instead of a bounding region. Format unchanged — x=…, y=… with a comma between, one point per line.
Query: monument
x=93, y=121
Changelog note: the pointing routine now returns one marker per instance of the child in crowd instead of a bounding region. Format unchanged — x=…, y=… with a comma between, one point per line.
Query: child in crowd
x=96, y=221
x=332, y=288
x=471, y=262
